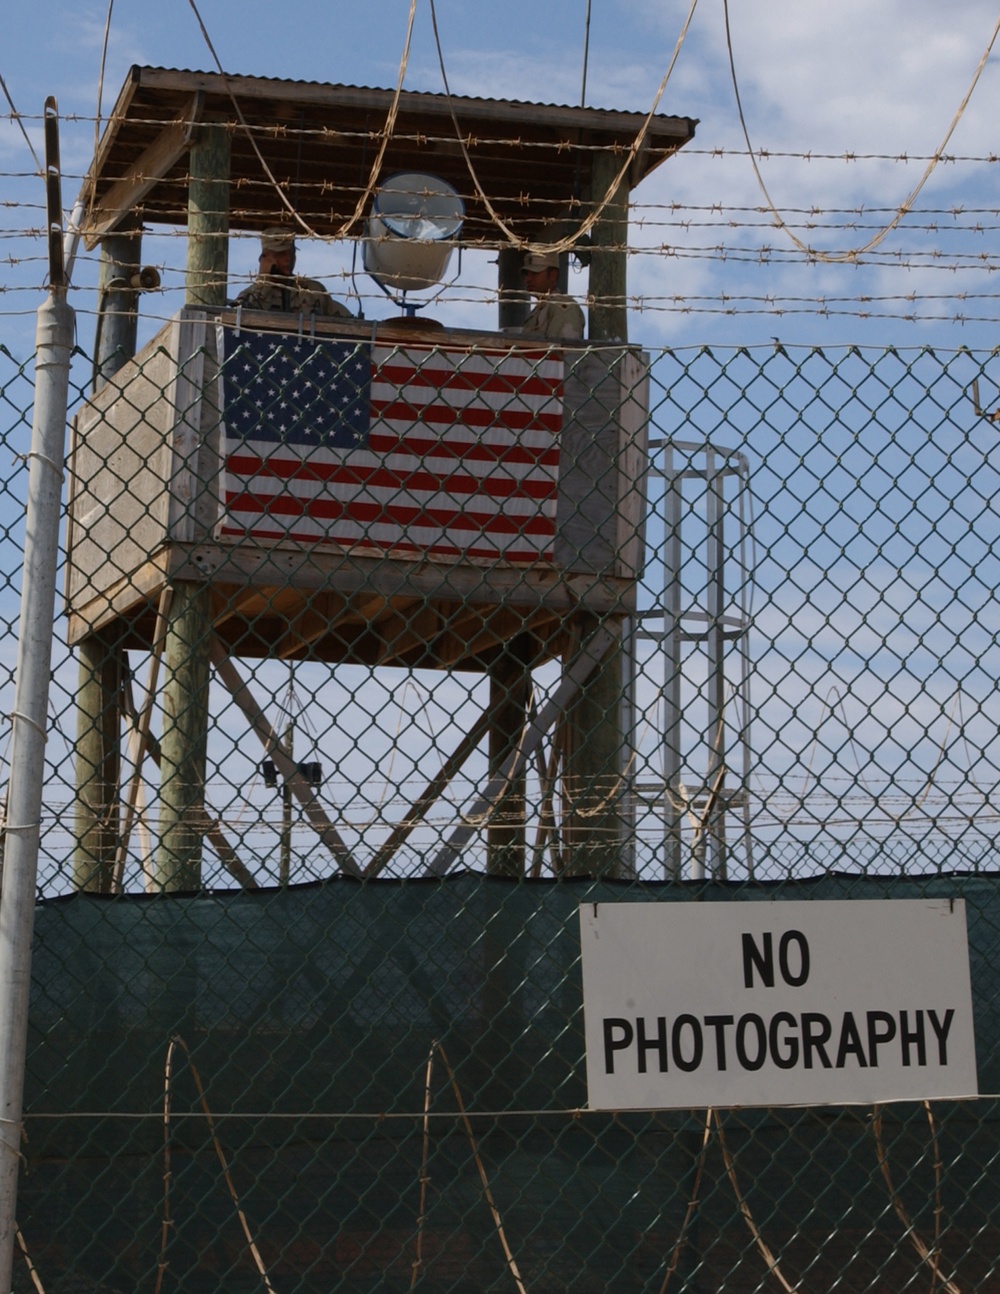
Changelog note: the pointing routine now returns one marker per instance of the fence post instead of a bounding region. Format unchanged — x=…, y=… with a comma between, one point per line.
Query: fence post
x=189, y=628
x=54, y=341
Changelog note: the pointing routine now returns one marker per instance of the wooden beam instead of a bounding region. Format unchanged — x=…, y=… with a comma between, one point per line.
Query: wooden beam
x=575, y=676
x=321, y=614
x=607, y=283
x=189, y=629
x=140, y=731
x=145, y=173
x=434, y=788
x=274, y=749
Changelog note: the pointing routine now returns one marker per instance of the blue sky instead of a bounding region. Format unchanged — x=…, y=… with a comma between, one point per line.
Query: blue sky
x=846, y=102
x=878, y=82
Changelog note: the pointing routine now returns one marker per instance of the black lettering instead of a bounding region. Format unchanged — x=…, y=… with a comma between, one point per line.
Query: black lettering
x=764, y=961
x=908, y=1037
x=613, y=1044
x=797, y=937
x=850, y=1042
x=784, y=1049
x=878, y=1036
x=743, y=1056
x=941, y=1030
x=718, y=1023
x=816, y=1031
x=659, y=1043
x=687, y=1063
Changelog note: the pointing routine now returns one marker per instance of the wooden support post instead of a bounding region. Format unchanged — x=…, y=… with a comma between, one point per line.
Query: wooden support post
x=98, y=715
x=595, y=738
x=435, y=787
x=274, y=749
x=118, y=304
x=607, y=297
x=510, y=688
x=184, y=742
x=513, y=302
x=98, y=763
x=208, y=216
x=578, y=669
x=189, y=626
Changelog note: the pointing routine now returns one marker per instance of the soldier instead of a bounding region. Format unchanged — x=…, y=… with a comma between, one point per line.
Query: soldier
x=276, y=287
x=556, y=315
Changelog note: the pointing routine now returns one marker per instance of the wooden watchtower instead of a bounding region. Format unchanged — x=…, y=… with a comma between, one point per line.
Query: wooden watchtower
x=156, y=560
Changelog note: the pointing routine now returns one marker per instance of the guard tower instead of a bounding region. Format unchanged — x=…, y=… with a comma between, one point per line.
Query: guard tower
x=186, y=539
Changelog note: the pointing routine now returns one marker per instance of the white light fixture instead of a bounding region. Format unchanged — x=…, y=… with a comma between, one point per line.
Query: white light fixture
x=409, y=237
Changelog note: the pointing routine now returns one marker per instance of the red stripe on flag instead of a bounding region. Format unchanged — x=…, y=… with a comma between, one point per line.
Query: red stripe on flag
x=443, y=415
x=412, y=480
x=521, y=383
x=495, y=523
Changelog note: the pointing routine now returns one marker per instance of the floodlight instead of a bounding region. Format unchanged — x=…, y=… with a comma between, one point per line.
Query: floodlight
x=410, y=233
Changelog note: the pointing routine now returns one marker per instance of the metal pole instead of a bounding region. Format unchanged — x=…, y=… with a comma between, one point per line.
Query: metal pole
x=672, y=754
x=715, y=778
x=53, y=344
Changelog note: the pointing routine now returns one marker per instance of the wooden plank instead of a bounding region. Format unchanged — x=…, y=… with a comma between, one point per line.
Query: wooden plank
x=115, y=603
x=184, y=397
x=401, y=633
x=590, y=479
x=388, y=574
x=323, y=614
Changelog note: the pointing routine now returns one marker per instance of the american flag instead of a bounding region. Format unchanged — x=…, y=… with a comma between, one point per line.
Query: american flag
x=435, y=449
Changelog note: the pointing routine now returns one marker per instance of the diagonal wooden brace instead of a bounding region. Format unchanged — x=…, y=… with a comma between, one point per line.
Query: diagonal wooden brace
x=583, y=664
x=274, y=749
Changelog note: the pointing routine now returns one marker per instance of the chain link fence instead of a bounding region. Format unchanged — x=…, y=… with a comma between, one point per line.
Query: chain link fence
x=504, y=630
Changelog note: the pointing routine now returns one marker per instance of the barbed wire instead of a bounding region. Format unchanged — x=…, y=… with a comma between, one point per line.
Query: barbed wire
x=717, y=152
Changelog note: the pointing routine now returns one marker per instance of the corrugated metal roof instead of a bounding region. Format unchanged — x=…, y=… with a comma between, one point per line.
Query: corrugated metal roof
x=533, y=161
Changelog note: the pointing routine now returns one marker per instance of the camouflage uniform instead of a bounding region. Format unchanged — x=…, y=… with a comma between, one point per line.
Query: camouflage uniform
x=295, y=295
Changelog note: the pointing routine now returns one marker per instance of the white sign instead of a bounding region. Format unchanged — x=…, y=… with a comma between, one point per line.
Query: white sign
x=689, y=1005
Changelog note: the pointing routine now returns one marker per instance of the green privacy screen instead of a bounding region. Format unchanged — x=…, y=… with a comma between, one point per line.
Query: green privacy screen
x=307, y=1016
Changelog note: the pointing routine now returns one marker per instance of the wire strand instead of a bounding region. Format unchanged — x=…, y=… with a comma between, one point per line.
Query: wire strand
x=571, y=240
x=386, y=135
x=854, y=253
